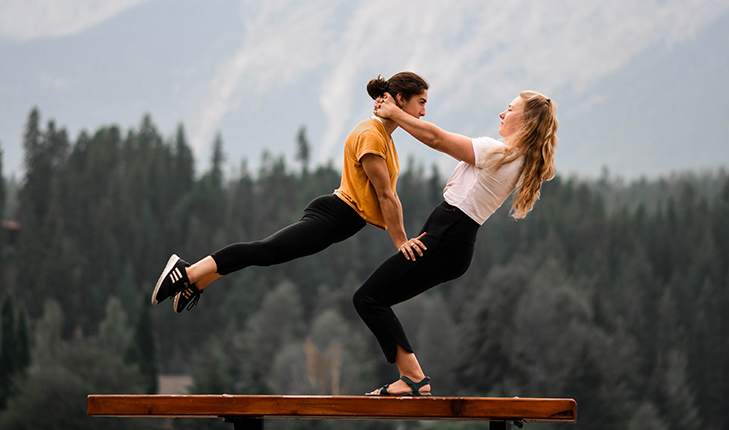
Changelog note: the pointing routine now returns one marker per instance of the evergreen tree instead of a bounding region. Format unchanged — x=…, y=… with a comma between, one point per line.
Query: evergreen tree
x=426, y=318
x=3, y=194
x=277, y=322
x=303, y=149
x=32, y=197
x=184, y=163
x=646, y=417
x=211, y=374
x=142, y=351
x=22, y=337
x=216, y=169
x=57, y=144
x=43, y=257
x=274, y=203
x=8, y=351
x=680, y=404
x=240, y=218
x=14, y=349
x=488, y=328
x=587, y=385
x=47, y=342
x=45, y=156
x=37, y=168
x=209, y=199
x=53, y=395
x=643, y=271
x=207, y=209
x=115, y=334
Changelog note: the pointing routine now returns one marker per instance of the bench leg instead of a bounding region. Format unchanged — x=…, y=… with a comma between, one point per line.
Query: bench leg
x=246, y=423
x=499, y=425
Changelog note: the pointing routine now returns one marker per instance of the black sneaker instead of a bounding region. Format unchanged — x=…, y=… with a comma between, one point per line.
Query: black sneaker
x=187, y=298
x=172, y=280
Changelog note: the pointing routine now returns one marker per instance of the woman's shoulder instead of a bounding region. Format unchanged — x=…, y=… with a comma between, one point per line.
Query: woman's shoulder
x=487, y=141
x=369, y=126
x=486, y=144
x=371, y=129
x=367, y=137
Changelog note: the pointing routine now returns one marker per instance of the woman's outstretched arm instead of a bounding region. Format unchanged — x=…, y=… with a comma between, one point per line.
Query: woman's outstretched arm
x=457, y=146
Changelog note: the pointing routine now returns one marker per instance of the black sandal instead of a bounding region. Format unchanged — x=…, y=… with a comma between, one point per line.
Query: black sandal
x=414, y=387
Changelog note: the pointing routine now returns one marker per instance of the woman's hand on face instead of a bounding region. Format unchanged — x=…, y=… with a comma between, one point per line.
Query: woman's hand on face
x=410, y=247
x=384, y=106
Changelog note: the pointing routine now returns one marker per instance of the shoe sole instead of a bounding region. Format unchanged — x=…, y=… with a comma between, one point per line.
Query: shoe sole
x=398, y=395
x=176, y=301
x=168, y=268
x=174, y=304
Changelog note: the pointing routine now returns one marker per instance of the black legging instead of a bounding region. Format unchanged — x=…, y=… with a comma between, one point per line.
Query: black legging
x=450, y=239
x=327, y=220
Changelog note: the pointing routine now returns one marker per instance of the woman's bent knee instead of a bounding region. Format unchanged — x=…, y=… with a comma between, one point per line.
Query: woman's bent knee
x=363, y=302
x=358, y=300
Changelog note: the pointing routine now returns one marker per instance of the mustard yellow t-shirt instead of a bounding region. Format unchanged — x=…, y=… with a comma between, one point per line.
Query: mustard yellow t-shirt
x=368, y=137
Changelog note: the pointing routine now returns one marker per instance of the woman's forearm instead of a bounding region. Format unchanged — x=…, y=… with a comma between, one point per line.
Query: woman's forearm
x=457, y=146
x=425, y=132
x=392, y=212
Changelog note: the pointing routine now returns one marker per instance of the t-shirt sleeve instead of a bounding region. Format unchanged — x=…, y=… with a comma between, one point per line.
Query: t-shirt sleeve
x=370, y=142
x=483, y=147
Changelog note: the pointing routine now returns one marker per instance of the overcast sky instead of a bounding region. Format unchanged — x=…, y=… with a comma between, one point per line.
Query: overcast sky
x=640, y=85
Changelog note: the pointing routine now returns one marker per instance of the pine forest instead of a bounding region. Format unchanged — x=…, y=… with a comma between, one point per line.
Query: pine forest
x=610, y=292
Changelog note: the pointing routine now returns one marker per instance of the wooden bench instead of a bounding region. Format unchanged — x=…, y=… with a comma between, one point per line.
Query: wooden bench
x=249, y=412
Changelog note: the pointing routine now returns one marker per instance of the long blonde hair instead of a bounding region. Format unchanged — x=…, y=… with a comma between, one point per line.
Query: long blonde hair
x=536, y=140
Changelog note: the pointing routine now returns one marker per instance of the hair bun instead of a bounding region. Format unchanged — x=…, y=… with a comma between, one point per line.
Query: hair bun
x=377, y=87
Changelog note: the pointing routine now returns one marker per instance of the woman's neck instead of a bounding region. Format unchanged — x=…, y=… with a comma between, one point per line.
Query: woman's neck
x=510, y=143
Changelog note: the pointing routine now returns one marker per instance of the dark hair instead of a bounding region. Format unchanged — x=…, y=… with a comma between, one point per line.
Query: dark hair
x=406, y=83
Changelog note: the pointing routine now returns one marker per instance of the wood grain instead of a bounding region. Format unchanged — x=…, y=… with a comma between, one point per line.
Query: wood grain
x=335, y=407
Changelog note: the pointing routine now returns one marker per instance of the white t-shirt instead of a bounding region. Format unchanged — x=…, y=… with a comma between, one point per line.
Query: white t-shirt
x=476, y=191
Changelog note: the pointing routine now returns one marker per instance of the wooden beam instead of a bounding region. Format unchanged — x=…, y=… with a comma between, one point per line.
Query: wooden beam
x=335, y=407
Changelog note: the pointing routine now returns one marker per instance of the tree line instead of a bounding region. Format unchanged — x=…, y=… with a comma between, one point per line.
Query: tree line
x=609, y=293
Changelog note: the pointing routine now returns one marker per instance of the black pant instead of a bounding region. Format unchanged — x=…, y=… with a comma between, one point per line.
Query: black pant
x=450, y=240
x=327, y=220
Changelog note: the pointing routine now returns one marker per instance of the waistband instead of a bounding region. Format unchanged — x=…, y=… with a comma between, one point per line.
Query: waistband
x=448, y=222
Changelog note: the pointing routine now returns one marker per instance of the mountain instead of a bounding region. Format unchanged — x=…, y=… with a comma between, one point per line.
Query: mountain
x=639, y=85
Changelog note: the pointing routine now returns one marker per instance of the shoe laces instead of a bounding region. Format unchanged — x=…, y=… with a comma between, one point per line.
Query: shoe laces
x=194, y=301
x=195, y=296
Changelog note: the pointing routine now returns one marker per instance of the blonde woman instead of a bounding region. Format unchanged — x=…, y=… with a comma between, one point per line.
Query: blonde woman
x=488, y=172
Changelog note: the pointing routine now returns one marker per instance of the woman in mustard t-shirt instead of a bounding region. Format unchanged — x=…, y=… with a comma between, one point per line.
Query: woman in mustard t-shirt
x=366, y=195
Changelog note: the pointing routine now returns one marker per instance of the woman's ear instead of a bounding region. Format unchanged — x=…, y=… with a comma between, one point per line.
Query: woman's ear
x=399, y=100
